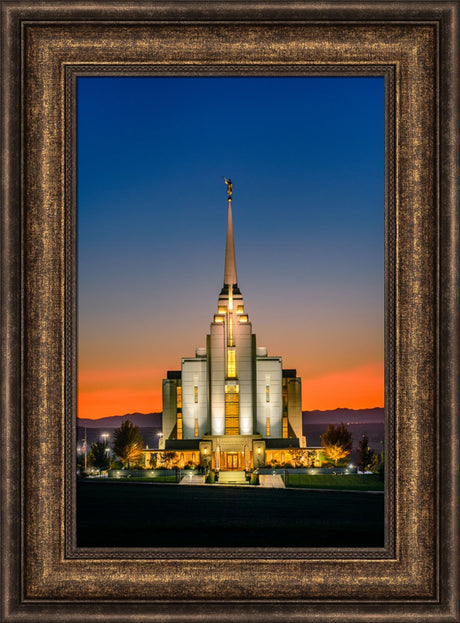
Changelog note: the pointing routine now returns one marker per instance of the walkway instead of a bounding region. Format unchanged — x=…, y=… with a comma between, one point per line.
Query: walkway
x=193, y=479
x=273, y=481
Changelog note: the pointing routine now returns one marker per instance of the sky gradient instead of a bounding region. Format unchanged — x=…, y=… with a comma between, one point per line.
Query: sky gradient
x=306, y=158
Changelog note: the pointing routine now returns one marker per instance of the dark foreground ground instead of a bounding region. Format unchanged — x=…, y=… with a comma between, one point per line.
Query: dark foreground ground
x=155, y=515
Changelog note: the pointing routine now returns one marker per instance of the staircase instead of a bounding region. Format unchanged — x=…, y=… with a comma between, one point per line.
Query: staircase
x=232, y=478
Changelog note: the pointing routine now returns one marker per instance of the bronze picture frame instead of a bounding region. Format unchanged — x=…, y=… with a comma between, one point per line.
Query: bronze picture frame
x=415, y=46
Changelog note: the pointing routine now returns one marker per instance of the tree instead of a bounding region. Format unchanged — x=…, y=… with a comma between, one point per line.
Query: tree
x=98, y=456
x=300, y=456
x=367, y=459
x=169, y=459
x=337, y=442
x=128, y=443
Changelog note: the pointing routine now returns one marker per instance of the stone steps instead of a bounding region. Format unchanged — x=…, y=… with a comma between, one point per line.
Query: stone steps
x=232, y=478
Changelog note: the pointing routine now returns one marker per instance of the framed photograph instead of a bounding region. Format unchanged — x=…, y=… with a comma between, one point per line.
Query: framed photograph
x=228, y=412
x=340, y=126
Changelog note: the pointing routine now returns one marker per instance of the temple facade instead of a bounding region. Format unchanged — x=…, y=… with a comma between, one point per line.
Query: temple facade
x=231, y=405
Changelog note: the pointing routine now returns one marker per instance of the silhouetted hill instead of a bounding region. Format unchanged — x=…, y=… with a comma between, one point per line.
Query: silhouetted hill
x=139, y=419
x=360, y=422
x=347, y=416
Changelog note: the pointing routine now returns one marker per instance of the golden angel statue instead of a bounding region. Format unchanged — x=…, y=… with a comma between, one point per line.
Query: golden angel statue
x=229, y=187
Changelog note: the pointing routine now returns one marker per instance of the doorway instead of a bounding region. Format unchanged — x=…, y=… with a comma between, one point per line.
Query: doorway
x=233, y=460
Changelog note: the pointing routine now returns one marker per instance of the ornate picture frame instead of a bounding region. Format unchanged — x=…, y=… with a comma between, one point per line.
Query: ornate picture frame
x=414, y=45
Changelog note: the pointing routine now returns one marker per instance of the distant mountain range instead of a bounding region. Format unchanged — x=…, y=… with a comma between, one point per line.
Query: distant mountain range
x=314, y=423
x=334, y=416
x=139, y=419
x=375, y=415
x=369, y=422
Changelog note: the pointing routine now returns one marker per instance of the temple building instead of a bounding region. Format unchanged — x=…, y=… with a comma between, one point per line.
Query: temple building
x=231, y=406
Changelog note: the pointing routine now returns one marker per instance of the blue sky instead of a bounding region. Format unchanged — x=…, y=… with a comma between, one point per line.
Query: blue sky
x=306, y=158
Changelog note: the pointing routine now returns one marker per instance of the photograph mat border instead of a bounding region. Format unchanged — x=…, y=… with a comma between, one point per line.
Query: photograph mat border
x=442, y=605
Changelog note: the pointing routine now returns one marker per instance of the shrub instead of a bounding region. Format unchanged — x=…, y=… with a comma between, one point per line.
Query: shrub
x=254, y=479
x=211, y=477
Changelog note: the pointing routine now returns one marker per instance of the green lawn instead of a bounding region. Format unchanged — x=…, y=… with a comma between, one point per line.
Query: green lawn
x=142, y=479
x=357, y=482
x=130, y=514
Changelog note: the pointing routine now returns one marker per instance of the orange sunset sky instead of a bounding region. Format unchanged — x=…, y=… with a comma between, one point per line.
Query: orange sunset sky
x=306, y=158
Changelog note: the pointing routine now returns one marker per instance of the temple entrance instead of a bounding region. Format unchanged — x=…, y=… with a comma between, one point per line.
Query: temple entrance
x=233, y=460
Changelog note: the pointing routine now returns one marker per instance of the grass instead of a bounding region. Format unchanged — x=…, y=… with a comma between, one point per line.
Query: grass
x=142, y=479
x=356, y=482
x=126, y=514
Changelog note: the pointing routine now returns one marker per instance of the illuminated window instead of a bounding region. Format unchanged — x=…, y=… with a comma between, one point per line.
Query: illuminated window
x=267, y=428
x=179, y=425
x=231, y=363
x=195, y=393
x=285, y=427
x=232, y=409
x=218, y=318
x=179, y=413
x=243, y=319
x=230, y=331
x=196, y=427
x=285, y=410
x=267, y=393
x=221, y=310
x=240, y=309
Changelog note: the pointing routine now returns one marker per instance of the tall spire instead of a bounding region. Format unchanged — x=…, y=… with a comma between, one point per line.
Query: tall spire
x=230, y=264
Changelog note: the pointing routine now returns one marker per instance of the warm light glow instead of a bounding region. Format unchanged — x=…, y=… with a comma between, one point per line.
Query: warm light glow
x=118, y=401
x=230, y=330
x=105, y=392
x=359, y=388
x=218, y=319
x=231, y=363
x=243, y=319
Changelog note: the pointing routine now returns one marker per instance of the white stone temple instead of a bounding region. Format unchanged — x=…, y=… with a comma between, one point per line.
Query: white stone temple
x=231, y=403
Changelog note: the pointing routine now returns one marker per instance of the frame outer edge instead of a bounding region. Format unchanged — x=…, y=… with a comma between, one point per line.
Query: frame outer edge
x=449, y=314
x=228, y=10
x=11, y=316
